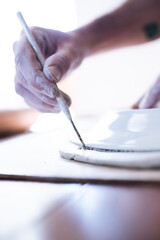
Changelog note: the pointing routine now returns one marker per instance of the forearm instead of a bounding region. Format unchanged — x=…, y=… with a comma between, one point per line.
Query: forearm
x=135, y=22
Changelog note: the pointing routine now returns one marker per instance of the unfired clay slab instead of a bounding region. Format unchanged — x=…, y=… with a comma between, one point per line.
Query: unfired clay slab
x=38, y=155
x=150, y=159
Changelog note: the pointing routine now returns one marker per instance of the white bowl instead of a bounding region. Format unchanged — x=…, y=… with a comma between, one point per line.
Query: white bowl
x=133, y=130
x=122, y=139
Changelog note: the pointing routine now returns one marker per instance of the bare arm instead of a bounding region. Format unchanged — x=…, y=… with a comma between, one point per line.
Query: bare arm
x=135, y=22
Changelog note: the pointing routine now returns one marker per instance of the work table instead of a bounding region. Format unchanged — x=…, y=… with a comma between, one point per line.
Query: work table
x=75, y=211
x=44, y=197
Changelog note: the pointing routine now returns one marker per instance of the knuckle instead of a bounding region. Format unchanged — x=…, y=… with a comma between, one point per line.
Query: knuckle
x=37, y=33
x=14, y=46
x=20, y=80
x=44, y=98
x=56, y=110
x=41, y=109
x=34, y=29
x=30, y=104
x=19, y=60
x=32, y=78
x=43, y=104
x=22, y=33
x=36, y=79
x=46, y=107
x=18, y=89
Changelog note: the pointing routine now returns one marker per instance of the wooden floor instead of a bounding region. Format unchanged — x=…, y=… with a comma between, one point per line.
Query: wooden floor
x=45, y=211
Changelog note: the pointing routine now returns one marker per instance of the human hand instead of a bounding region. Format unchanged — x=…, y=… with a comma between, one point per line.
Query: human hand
x=151, y=99
x=62, y=53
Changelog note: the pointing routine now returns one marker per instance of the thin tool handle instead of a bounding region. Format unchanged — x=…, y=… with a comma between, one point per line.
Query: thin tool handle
x=41, y=59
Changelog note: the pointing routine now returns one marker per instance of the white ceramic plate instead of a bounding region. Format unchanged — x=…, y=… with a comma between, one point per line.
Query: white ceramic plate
x=125, y=138
x=134, y=130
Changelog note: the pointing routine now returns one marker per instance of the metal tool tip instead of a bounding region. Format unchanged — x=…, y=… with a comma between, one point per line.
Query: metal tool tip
x=83, y=145
x=79, y=136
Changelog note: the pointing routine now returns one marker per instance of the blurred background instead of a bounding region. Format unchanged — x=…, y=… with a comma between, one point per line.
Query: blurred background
x=112, y=80
x=108, y=81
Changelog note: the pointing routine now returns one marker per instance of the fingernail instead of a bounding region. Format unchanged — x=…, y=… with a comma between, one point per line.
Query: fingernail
x=53, y=73
x=50, y=92
x=45, y=88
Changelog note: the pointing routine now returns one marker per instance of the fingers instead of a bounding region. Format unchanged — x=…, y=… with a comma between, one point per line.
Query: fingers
x=66, y=98
x=34, y=84
x=34, y=102
x=136, y=104
x=151, y=98
x=26, y=62
x=38, y=100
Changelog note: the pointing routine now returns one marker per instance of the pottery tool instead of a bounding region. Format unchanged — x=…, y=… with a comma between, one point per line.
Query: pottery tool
x=60, y=99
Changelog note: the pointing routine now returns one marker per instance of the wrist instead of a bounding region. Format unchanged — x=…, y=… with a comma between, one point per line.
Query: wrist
x=80, y=43
x=96, y=36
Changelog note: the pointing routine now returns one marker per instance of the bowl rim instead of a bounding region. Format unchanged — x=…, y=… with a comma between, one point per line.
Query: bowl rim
x=146, y=111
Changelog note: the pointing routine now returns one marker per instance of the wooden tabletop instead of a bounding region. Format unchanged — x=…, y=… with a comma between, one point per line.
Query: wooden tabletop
x=37, y=210
x=43, y=211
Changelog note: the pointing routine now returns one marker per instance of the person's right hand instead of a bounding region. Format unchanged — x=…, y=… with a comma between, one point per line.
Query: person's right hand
x=62, y=52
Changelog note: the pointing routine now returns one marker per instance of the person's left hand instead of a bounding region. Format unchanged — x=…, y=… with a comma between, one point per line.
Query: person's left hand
x=151, y=99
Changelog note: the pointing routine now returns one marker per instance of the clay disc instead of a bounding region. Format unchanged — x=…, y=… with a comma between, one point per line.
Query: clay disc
x=142, y=159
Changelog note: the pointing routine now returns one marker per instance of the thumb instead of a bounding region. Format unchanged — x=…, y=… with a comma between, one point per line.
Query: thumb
x=56, y=66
